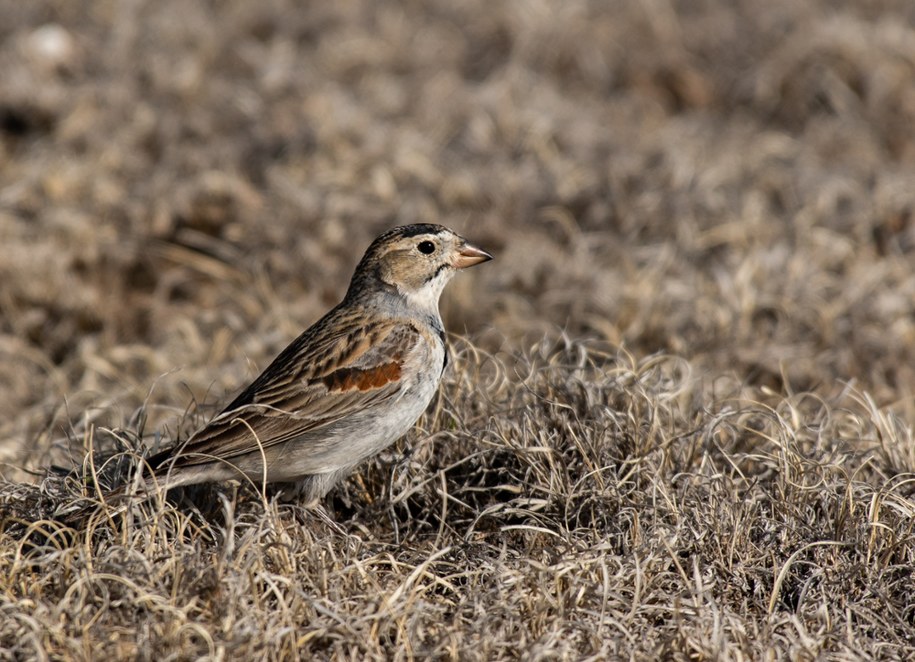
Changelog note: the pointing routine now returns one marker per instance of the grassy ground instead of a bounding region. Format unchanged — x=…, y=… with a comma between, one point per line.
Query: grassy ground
x=678, y=422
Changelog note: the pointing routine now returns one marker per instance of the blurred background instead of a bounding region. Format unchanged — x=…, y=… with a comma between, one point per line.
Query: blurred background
x=186, y=185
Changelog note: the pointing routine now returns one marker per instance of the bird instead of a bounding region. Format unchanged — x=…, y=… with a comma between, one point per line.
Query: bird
x=348, y=387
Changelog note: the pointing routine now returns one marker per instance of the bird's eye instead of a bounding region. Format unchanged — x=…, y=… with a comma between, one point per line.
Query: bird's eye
x=426, y=247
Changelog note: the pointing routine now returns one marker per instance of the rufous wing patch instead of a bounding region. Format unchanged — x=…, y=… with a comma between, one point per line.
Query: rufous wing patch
x=362, y=379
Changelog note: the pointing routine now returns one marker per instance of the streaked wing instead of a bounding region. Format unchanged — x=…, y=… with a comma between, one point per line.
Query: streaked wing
x=319, y=379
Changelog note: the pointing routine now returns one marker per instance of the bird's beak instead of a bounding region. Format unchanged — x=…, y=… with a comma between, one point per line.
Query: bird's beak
x=469, y=255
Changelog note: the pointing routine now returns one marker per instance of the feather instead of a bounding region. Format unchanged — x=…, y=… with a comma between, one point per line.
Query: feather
x=284, y=404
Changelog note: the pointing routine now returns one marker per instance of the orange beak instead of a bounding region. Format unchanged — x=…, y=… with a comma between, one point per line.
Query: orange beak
x=470, y=255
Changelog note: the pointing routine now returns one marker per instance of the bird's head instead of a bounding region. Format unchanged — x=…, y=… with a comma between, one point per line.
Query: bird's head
x=416, y=261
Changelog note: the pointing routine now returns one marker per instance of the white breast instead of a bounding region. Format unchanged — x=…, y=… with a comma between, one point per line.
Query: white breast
x=359, y=436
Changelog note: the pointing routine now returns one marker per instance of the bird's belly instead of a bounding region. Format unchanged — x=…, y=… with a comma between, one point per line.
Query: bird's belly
x=348, y=442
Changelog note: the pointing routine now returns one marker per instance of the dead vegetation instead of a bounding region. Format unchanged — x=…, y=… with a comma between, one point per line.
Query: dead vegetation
x=682, y=427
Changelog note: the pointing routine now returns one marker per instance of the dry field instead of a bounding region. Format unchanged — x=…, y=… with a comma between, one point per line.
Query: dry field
x=678, y=420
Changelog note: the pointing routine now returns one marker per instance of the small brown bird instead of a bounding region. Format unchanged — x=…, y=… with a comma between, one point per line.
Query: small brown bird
x=348, y=387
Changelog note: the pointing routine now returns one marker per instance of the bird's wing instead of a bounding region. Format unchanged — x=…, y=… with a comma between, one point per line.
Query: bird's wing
x=322, y=377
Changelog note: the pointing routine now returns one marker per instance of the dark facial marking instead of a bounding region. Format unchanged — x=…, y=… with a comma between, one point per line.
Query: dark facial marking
x=407, y=231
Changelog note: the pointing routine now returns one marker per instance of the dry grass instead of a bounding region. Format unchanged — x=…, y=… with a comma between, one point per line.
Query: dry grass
x=682, y=428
